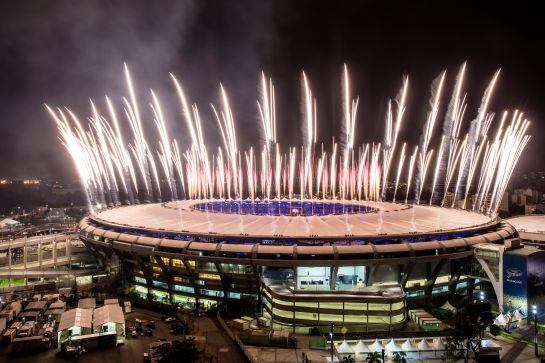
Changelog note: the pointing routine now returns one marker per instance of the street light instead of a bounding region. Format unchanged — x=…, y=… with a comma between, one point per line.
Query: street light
x=534, y=311
x=332, y=344
x=481, y=296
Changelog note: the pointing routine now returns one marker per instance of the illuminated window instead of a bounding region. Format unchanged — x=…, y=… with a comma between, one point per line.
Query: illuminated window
x=177, y=263
x=160, y=296
x=160, y=284
x=184, y=288
x=140, y=280
x=209, y=276
x=141, y=291
x=181, y=279
x=211, y=292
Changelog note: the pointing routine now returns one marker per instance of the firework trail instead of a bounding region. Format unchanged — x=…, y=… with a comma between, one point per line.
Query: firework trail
x=425, y=155
x=399, y=169
x=451, y=130
x=411, y=170
x=475, y=132
x=392, y=131
x=114, y=171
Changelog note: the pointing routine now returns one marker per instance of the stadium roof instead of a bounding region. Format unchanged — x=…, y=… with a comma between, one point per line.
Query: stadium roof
x=530, y=224
x=388, y=219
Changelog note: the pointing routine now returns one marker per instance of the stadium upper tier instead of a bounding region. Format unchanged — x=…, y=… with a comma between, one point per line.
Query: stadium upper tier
x=213, y=218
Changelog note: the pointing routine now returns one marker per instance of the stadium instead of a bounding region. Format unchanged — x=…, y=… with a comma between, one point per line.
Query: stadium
x=304, y=263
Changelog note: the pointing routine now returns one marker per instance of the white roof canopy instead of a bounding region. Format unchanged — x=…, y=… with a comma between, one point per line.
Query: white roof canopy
x=408, y=346
x=392, y=346
x=360, y=347
x=389, y=218
x=438, y=344
x=448, y=306
x=344, y=348
x=76, y=317
x=424, y=346
x=376, y=346
x=108, y=314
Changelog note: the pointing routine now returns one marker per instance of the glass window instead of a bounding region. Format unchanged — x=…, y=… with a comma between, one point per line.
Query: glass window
x=160, y=284
x=178, y=263
x=209, y=276
x=211, y=292
x=313, y=278
x=160, y=296
x=141, y=291
x=140, y=280
x=184, y=288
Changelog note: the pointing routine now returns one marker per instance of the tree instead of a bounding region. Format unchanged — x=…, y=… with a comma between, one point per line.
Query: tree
x=467, y=329
x=399, y=357
x=495, y=330
x=348, y=359
x=167, y=353
x=373, y=357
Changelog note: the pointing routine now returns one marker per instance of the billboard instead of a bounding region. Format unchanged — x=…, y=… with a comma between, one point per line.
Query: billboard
x=515, y=282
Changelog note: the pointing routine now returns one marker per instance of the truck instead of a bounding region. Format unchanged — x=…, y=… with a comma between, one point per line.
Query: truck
x=11, y=311
x=8, y=335
x=28, y=344
x=27, y=330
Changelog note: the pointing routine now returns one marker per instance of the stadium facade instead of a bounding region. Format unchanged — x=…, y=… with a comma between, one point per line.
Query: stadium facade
x=302, y=264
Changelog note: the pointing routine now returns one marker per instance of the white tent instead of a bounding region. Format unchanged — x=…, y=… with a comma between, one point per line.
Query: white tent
x=518, y=315
x=392, y=346
x=344, y=348
x=376, y=346
x=9, y=223
x=500, y=320
x=360, y=348
x=438, y=344
x=447, y=306
x=408, y=346
x=108, y=314
x=424, y=346
x=82, y=318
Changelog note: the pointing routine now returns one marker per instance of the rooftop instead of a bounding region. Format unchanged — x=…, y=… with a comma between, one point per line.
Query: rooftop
x=376, y=219
x=530, y=224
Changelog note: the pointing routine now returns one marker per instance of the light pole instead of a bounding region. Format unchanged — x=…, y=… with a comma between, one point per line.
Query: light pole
x=534, y=311
x=332, y=344
x=481, y=296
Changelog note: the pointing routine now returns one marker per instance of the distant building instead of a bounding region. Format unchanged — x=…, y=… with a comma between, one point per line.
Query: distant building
x=8, y=223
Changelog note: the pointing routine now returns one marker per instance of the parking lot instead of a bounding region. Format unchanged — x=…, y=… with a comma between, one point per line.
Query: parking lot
x=134, y=348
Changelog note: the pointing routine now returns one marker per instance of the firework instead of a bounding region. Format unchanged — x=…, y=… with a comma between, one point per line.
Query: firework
x=113, y=171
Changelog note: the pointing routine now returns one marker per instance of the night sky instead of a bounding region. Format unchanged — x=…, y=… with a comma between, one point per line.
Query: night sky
x=66, y=52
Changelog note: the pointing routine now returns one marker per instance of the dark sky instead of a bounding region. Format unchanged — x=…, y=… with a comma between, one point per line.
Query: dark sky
x=66, y=52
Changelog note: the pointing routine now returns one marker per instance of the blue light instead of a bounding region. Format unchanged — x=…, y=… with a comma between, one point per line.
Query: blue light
x=285, y=208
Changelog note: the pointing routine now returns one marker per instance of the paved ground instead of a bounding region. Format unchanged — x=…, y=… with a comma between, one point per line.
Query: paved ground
x=220, y=343
x=134, y=348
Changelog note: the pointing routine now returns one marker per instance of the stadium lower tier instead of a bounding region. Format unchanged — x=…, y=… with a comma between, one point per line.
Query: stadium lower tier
x=364, y=287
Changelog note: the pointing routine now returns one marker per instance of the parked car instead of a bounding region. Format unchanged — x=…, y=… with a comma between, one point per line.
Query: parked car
x=169, y=319
x=151, y=324
x=149, y=332
x=134, y=333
